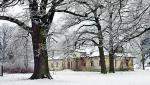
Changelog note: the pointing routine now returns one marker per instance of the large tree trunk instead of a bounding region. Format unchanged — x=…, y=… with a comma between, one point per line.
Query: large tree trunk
x=111, y=43
x=41, y=69
x=100, y=45
x=102, y=60
x=111, y=63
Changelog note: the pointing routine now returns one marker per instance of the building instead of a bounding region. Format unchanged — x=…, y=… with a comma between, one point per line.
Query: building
x=84, y=62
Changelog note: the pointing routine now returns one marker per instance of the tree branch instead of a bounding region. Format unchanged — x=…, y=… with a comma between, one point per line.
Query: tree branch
x=73, y=13
x=18, y=22
x=127, y=38
x=59, y=2
x=43, y=6
x=87, y=32
x=139, y=34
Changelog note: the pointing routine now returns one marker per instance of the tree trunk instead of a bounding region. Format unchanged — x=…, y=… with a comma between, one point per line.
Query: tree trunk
x=143, y=62
x=111, y=43
x=102, y=60
x=111, y=63
x=41, y=69
x=100, y=46
x=101, y=52
x=1, y=70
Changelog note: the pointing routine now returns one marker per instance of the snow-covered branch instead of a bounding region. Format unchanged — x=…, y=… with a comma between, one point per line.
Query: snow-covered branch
x=18, y=22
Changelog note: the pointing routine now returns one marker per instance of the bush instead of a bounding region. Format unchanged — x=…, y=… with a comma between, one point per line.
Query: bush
x=18, y=70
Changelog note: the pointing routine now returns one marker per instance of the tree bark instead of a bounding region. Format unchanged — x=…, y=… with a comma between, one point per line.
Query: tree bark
x=100, y=47
x=102, y=60
x=41, y=69
x=111, y=63
x=143, y=66
x=111, y=43
x=143, y=62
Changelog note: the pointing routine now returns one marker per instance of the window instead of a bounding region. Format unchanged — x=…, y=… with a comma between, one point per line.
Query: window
x=71, y=65
x=92, y=63
x=84, y=64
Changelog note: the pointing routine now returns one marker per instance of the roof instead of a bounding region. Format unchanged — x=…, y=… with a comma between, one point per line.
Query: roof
x=124, y=55
x=90, y=53
x=96, y=53
x=56, y=57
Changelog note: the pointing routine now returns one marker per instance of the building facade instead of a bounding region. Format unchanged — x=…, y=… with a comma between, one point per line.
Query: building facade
x=88, y=63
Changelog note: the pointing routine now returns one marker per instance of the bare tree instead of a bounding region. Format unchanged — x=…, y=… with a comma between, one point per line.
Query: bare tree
x=5, y=39
x=26, y=43
x=94, y=9
x=120, y=22
x=125, y=31
x=144, y=46
x=41, y=21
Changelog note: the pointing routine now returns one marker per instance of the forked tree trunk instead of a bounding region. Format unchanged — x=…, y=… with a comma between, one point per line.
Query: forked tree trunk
x=41, y=69
x=111, y=63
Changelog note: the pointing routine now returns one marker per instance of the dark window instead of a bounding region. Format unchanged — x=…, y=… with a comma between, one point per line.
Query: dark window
x=92, y=63
x=84, y=64
x=68, y=65
x=71, y=64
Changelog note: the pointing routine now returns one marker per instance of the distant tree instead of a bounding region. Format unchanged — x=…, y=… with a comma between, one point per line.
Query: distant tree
x=24, y=48
x=145, y=48
x=5, y=40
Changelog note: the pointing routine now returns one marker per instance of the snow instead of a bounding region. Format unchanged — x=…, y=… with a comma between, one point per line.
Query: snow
x=96, y=53
x=147, y=68
x=68, y=77
x=124, y=54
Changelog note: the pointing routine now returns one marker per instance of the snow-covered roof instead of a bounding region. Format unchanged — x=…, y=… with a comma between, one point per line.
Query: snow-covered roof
x=96, y=53
x=90, y=52
x=124, y=54
x=56, y=57
x=117, y=54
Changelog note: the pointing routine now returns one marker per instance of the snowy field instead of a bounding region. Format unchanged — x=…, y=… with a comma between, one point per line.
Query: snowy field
x=68, y=77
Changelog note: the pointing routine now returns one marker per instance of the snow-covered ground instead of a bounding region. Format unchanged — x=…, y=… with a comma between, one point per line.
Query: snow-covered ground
x=68, y=77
